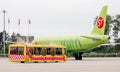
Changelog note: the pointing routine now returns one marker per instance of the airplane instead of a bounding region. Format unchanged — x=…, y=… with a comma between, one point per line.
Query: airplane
x=80, y=43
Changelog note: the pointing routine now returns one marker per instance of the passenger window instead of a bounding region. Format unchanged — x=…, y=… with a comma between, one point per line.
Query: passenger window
x=48, y=51
x=52, y=52
x=58, y=51
x=43, y=51
x=37, y=51
x=31, y=50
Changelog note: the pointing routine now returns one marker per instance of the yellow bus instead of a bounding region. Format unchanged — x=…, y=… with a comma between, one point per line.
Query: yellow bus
x=37, y=53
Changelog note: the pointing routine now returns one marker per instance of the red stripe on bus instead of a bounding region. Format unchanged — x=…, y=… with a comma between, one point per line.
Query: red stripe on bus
x=37, y=58
x=58, y=58
x=48, y=58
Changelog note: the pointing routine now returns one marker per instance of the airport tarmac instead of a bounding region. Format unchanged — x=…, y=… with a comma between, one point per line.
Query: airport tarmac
x=97, y=64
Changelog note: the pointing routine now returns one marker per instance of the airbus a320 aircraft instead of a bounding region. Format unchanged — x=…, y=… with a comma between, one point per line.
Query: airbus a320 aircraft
x=79, y=44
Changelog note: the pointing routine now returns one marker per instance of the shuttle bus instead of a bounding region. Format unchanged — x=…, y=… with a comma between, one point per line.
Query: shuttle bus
x=37, y=53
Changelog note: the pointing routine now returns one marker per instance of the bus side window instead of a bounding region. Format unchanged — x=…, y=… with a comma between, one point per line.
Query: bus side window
x=58, y=51
x=52, y=52
x=31, y=51
x=37, y=51
x=43, y=51
x=48, y=51
x=40, y=50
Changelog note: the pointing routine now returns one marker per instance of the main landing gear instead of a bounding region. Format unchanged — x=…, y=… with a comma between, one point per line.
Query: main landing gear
x=78, y=56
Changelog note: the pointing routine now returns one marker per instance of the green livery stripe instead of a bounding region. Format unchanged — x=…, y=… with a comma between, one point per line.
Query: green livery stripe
x=69, y=44
x=80, y=44
x=75, y=45
x=72, y=44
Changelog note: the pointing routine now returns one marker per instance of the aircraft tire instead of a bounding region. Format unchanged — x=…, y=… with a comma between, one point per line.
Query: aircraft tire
x=78, y=56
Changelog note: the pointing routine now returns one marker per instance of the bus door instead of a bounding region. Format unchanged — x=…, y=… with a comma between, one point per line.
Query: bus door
x=44, y=52
x=37, y=54
x=48, y=57
x=16, y=53
x=58, y=55
x=53, y=53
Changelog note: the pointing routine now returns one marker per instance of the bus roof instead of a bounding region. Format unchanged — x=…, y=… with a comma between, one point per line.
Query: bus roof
x=36, y=45
x=54, y=46
x=17, y=44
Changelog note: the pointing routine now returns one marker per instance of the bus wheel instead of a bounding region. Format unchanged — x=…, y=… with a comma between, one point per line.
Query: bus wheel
x=56, y=61
x=45, y=61
x=22, y=62
x=35, y=62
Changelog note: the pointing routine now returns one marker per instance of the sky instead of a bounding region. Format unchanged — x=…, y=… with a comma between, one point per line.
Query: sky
x=53, y=17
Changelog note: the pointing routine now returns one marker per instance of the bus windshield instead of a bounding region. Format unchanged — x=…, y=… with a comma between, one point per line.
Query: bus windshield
x=17, y=50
